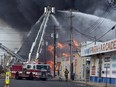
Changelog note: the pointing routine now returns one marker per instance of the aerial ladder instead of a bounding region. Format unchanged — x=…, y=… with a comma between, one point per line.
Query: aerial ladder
x=37, y=44
x=18, y=58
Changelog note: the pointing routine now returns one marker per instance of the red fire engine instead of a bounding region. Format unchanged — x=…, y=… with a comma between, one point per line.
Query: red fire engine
x=31, y=71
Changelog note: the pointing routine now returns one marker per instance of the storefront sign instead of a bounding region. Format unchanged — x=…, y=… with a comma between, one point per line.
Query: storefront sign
x=100, y=48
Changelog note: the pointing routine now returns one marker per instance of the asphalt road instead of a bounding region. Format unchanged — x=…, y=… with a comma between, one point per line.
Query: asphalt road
x=29, y=83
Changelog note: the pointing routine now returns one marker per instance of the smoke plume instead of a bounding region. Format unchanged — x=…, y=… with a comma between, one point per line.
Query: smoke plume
x=22, y=14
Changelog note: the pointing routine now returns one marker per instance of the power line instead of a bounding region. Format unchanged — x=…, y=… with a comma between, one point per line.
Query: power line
x=107, y=32
x=98, y=22
x=90, y=37
x=112, y=3
x=103, y=34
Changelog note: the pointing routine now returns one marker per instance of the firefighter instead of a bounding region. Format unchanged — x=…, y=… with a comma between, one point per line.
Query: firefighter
x=66, y=74
x=7, y=78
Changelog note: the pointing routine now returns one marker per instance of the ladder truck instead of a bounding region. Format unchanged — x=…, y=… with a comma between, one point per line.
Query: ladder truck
x=27, y=70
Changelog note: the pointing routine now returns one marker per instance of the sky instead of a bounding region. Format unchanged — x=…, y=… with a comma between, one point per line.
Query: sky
x=9, y=36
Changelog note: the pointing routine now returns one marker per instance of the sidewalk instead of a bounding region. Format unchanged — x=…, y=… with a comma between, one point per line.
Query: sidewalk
x=93, y=84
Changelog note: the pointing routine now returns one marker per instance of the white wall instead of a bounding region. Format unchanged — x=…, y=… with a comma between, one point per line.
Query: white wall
x=111, y=70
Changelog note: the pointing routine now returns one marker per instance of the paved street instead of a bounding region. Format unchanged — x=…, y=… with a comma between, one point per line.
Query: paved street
x=28, y=83
x=1, y=83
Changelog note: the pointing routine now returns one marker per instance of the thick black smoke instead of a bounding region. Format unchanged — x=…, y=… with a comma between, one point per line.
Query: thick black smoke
x=22, y=14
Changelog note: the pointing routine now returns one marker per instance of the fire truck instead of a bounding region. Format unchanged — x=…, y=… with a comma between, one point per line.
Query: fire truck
x=31, y=71
x=28, y=70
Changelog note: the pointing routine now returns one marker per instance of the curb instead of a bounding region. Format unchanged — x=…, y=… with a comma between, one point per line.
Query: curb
x=83, y=83
x=95, y=84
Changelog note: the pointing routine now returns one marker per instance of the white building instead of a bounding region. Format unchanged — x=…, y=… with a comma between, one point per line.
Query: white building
x=103, y=61
x=86, y=60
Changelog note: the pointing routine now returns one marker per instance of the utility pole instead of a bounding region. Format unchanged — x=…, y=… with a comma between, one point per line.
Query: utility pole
x=71, y=39
x=55, y=36
x=55, y=49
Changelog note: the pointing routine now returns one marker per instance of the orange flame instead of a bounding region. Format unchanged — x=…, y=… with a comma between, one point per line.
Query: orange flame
x=65, y=54
x=60, y=45
x=51, y=48
x=51, y=63
x=75, y=43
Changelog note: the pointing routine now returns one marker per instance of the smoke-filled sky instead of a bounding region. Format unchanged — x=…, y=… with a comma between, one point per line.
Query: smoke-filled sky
x=20, y=15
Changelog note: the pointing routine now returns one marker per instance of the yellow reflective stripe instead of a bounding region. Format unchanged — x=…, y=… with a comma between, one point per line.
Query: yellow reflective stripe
x=7, y=81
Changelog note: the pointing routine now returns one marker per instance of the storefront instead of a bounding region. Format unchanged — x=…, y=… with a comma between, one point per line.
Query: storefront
x=65, y=63
x=103, y=61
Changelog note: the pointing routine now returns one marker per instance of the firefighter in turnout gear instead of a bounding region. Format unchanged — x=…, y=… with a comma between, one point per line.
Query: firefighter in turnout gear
x=66, y=74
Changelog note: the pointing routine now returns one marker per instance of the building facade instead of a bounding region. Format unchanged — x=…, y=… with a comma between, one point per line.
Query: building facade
x=65, y=63
x=103, y=61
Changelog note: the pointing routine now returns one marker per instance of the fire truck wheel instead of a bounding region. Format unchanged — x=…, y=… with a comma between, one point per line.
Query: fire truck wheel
x=30, y=76
x=17, y=75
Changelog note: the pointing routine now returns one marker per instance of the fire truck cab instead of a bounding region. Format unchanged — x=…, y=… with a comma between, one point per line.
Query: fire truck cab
x=31, y=71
